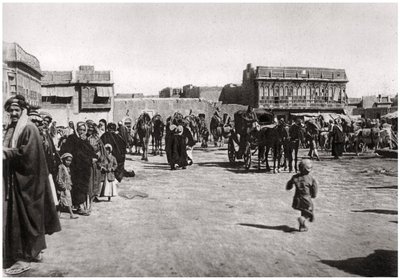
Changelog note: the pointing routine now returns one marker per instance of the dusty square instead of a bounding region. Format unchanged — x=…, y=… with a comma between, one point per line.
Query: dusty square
x=218, y=219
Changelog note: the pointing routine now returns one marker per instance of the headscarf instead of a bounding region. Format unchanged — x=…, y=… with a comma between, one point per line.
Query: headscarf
x=111, y=126
x=79, y=124
x=108, y=146
x=46, y=115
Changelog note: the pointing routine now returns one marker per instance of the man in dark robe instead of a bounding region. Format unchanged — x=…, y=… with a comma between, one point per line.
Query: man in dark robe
x=52, y=156
x=81, y=167
x=28, y=207
x=338, y=139
x=118, y=148
x=124, y=132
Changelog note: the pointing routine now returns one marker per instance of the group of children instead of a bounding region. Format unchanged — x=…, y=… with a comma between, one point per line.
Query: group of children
x=64, y=182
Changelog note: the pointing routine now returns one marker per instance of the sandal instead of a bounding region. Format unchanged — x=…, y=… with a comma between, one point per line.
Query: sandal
x=17, y=268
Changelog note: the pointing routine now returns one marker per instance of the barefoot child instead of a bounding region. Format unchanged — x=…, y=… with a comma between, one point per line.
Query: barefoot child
x=109, y=188
x=306, y=188
x=64, y=184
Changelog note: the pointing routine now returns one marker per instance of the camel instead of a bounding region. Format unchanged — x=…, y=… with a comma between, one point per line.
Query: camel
x=144, y=128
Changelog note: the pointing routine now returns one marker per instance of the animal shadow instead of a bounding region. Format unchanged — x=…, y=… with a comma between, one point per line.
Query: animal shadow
x=378, y=211
x=381, y=263
x=283, y=228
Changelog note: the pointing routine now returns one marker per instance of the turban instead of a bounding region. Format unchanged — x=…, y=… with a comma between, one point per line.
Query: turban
x=34, y=116
x=90, y=123
x=17, y=100
x=65, y=155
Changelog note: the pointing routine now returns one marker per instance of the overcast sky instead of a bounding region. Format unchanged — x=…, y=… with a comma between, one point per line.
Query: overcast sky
x=152, y=46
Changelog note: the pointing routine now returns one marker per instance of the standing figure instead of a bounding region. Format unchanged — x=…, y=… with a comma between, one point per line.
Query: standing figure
x=306, y=189
x=118, y=148
x=296, y=137
x=81, y=167
x=28, y=207
x=95, y=175
x=109, y=165
x=338, y=139
x=64, y=184
x=311, y=138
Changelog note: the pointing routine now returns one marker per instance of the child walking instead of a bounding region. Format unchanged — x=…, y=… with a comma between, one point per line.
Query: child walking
x=64, y=184
x=306, y=188
x=109, y=188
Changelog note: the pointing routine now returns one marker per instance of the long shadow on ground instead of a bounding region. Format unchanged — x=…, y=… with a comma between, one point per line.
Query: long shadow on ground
x=283, y=228
x=381, y=263
x=236, y=167
x=378, y=211
x=387, y=187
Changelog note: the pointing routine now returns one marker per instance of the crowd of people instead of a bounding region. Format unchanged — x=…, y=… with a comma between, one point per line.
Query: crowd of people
x=42, y=179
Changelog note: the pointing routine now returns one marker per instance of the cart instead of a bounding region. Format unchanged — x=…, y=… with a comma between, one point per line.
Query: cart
x=244, y=138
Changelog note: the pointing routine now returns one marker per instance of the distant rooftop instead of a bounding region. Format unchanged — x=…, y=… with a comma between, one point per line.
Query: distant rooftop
x=12, y=52
x=85, y=74
x=300, y=73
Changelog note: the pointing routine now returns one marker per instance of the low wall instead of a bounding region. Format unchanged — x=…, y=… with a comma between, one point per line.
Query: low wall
x=166, y=107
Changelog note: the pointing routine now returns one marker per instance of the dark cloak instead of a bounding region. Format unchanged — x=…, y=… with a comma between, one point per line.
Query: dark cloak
x=338, y=139
x=81, y=166
x=118, y=145
x=30, y=210
x=124, y=132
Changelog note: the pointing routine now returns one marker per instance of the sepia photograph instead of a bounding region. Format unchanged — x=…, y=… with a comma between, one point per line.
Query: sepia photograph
x=200, y=139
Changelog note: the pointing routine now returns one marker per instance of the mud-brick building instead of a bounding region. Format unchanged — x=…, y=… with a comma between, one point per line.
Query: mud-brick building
x=287, y=90
x=205, y=92
x=170, y=92
x=21, y=74
x=78, y=95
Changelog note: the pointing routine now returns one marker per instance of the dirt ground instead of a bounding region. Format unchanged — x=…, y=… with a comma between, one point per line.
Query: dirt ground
x=217, y=219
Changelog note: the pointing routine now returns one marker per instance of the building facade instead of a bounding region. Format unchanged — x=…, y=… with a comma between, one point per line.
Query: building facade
x=288, y=90
x=78, y=95
x=205, y=92
x=169, y=92
x=373, y=107
x=21, y=74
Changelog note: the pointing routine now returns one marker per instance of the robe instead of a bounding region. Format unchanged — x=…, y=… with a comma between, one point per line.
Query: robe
x=118, y=145
x=81, y=166
x=30, y=211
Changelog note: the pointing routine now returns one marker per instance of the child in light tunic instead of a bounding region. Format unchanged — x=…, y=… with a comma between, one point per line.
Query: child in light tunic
x=109, y=165
x=306, y=188
x=64, y=184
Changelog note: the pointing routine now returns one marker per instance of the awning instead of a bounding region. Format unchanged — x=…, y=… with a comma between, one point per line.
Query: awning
x=104, y=91
x=58, y=91
x=305, y=114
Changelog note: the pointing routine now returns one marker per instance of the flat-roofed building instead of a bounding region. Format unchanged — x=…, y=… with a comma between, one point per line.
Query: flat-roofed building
x=78, y=95
x=21, y=74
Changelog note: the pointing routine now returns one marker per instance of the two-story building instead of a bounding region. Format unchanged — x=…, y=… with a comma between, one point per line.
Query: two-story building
x=287, y=90
x=78, y=95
